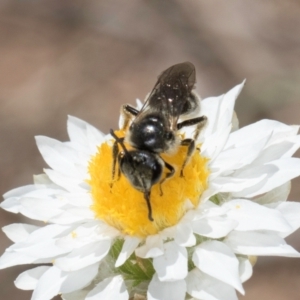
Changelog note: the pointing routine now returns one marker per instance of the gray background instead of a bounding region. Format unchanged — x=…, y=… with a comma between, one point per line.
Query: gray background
x=86, y=58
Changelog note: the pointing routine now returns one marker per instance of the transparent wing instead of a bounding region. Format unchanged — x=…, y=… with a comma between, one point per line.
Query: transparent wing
x=170, y=92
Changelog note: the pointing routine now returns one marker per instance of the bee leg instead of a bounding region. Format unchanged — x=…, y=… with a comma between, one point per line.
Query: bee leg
x=168, y=175
x=199, y=127
x=128, y=112
x=147, y=193
x=200, y=121
x=190, y=143
x=115, y=154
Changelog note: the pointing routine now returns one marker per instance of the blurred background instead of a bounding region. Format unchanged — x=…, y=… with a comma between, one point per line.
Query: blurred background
x=86, y=58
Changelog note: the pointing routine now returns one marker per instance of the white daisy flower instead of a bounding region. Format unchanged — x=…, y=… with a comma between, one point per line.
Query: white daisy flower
x=96, y=241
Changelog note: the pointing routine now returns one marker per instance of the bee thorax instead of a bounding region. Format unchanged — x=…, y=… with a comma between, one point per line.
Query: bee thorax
x=151, y=133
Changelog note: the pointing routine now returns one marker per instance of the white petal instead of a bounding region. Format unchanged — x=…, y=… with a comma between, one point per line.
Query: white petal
x=43, y=249
x=210, y=108
x=95, y=136
x=259, y=243
x=47, y=232
x=152, y=248
x=205, y=287
x=278, y=194
x=208, y=209
x=239, y=184
x=251, y=216
x=276, y=151
x=58, y=155
x=45, y=191
x=295, y=140
x=18, y=232
x=79, y=199
x=9, y=259
x=42, y=234
x=128, y=248
x=49, y=284
x=77, y=132
x=42, y=179
x=235, y=122
x=65, y=282
x=213, y=144
x=40, y=209
x=172, y=265
x=73, y=215
x=235, y=158
x=219, y=110
x=284, y=170
x=41, y=244
x=28, y=280
x=285, y=133
x=11, y=204
x=71, y=184
x=158, y=290
x=229, y=100
x=109, y=288
x=79, y=279
x=77, y=295
x=106, y=232
x=20, y=191
x=81, y=235
x=245, y=268
x=291, y=212
x=217, y=260
x=257, y=131
x=83, y=133
x=214, y=227
x=139, y=103
x=209, y=192
x=184, y=235
x=82, y=257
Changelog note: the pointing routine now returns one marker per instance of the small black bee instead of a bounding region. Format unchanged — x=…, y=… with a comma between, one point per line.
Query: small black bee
x=142, y=168
x=153, y=129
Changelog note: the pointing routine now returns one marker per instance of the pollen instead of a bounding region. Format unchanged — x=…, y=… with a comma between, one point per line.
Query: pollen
x=120, y=205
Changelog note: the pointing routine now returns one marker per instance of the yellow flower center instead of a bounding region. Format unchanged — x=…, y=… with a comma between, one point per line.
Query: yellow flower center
x=123, y=207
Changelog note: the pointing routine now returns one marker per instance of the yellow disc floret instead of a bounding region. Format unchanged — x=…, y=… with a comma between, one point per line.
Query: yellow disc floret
x=123, y=207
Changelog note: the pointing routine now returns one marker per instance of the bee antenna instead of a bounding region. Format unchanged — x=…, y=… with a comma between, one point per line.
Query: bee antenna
x=118, y=140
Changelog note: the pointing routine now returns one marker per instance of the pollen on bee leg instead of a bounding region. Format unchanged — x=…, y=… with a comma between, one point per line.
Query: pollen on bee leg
x=124, y=207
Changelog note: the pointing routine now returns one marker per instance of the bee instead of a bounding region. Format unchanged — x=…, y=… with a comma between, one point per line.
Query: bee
x=142, y=168
x=153, y=130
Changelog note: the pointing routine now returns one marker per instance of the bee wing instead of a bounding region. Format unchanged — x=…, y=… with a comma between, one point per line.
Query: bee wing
x=146, y=105
x=170, y=91
x=185, y=72
x=153, y=102
x=181, y=78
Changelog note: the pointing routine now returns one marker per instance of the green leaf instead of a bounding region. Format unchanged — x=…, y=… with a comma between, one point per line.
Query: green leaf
x=135, y=268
